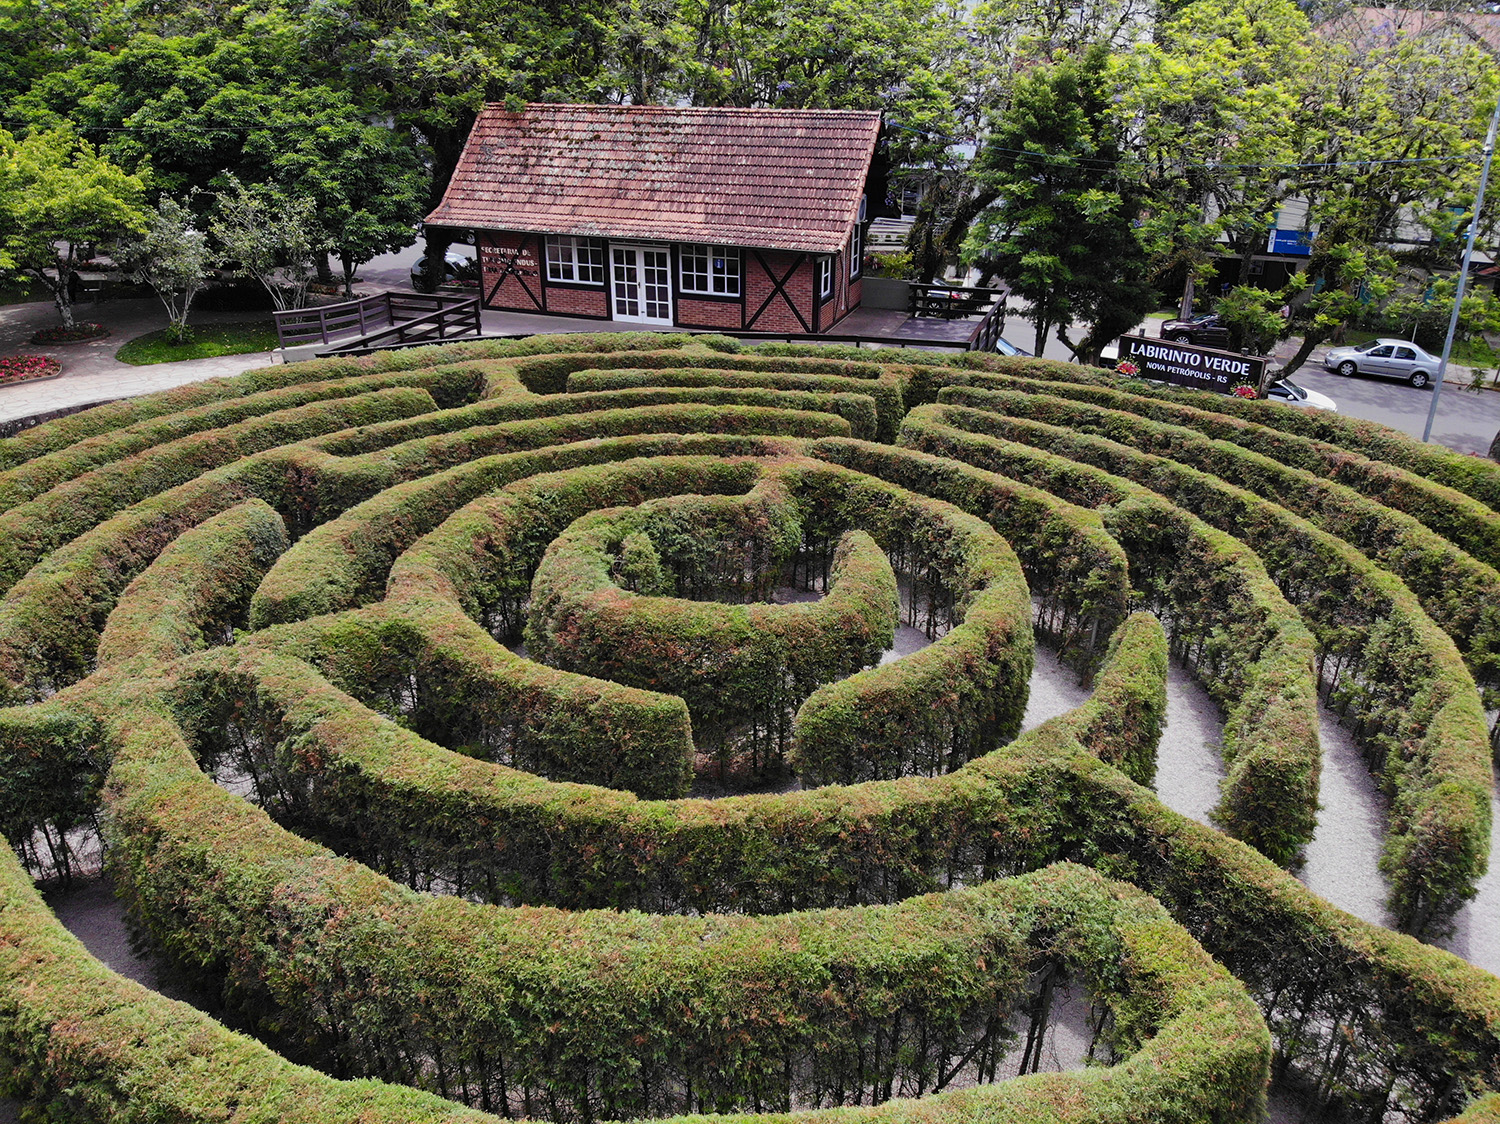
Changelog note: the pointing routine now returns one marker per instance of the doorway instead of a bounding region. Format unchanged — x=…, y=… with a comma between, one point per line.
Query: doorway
x=642, y=289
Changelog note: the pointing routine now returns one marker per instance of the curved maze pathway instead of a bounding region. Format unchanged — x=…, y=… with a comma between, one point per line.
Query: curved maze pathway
x=267, y=626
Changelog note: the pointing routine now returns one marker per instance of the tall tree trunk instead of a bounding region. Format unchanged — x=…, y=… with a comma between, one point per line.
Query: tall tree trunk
x=1185, y=309
x=1309, y=342
x=64, y=299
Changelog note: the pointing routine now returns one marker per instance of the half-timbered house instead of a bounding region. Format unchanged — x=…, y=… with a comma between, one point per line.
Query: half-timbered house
x=740, y=219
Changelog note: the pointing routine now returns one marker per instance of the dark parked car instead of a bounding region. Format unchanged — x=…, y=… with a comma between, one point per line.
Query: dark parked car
x=458, y=269
x=1204, y=330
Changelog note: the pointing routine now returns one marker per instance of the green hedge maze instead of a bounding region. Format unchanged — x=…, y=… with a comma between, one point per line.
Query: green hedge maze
x=502, y=730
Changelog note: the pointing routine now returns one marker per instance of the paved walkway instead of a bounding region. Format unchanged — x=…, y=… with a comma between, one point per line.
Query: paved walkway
x=90, y=371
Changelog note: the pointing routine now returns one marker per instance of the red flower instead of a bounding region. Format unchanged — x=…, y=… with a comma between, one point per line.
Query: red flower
x=18, y=368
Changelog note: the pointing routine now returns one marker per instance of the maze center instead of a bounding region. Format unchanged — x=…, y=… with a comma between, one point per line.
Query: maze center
x=451, y=626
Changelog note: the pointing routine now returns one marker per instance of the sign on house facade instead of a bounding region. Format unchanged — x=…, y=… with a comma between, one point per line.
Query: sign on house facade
x=738, y=219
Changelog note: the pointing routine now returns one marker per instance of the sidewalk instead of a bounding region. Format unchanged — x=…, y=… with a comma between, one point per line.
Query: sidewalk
x=90, y=372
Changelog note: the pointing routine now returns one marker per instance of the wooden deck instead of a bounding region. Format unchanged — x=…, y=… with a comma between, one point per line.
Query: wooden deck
x=864, y=327
x=403, y=319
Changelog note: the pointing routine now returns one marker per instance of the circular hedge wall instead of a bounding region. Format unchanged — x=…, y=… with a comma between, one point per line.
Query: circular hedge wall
x=389, y=681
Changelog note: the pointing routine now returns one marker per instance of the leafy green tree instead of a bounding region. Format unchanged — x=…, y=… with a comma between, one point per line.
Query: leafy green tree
x=174, y=259
x=1403, y=121
x=1220, y=106
x=1061, y=231
x=182, y=105
x=265, y=235
x=1421, y=312
x=365, y=181
x=42, y=37
x=56, y=194
x=1254, y=317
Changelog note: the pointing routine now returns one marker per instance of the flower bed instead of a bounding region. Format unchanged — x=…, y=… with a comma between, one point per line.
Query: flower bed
x=23, y=368
x=78, y=333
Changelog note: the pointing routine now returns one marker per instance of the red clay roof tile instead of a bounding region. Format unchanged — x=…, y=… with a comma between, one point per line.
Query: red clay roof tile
x=766, y=178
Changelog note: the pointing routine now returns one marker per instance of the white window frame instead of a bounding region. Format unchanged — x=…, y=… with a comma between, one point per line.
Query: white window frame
x=574, y=261
x=718, y=280
x=825, y=278
x=857, y=243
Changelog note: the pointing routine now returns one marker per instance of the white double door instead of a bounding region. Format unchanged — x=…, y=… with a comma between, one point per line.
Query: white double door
x=642, y=283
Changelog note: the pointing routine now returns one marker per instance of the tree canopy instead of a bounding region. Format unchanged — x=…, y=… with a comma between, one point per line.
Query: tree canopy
x=1061, y=229
x=1217, y=120
x=58, y=194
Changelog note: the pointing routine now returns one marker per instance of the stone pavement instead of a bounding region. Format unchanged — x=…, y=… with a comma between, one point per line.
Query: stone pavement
x=90, y=371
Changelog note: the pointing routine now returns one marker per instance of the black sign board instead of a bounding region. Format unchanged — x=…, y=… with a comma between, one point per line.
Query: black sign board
x=1182, y=364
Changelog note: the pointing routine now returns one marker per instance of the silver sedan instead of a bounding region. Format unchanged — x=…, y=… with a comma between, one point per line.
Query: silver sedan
x=1392, y=359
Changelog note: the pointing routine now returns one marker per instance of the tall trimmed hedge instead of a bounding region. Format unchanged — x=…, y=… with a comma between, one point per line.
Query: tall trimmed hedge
x=346, y=561
x=712, y=1012
x=1180, y=1020
x=1216, y=883
x=831, y=381
x=1460, y=592
x=52, y=763
x=1369, y=1019
x=30, y=530
x=1076, y=571
x=1233, y=627
x=735, y=666
x=198, y=590
x=1381, y=660
x=954, y=700
x=428, y=667
x=447, y=386
x=1462, y=520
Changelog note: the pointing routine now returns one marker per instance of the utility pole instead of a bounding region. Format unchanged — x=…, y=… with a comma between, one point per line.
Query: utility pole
x=1463, y=271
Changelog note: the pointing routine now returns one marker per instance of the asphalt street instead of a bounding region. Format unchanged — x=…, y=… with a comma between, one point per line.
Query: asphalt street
x=1466, y=422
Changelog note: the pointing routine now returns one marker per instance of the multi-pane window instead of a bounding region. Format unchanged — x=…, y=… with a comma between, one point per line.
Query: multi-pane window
x=575, y=259
x=713, y=270
x=825, y=278
x=857, y=243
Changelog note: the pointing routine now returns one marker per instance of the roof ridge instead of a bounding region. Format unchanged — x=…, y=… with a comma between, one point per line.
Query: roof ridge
x=685, y=109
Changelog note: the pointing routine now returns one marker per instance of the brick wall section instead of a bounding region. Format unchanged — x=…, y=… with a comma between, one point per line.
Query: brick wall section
x=709, y=314
x=578, y=302
x=498, y=249
x=779, y=316
x=846, y=295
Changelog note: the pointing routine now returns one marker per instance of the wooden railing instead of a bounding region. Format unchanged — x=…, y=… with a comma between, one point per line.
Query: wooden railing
x=988, y=329
x=444, y=314
x=951, y=302
x=456, y=320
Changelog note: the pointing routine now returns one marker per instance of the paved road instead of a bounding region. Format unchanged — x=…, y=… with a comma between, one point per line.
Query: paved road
x=1466, y=422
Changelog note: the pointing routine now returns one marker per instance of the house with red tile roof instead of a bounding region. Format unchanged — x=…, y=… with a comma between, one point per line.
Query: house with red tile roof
x=739, y=219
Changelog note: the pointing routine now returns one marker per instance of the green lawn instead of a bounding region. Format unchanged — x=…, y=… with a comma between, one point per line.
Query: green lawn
x=208, y=340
